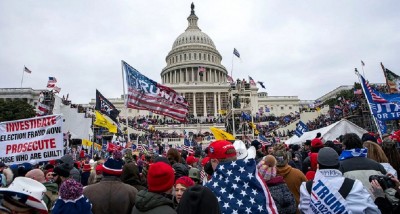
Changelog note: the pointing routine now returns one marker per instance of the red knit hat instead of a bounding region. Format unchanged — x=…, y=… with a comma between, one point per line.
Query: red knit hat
x=99, y=169
x=185, y=181
x=317, y=143
x=218, y=150
x=191, y=159
x=160, y=177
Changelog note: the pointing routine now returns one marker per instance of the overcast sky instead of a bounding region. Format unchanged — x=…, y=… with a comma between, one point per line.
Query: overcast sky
x=300, y=48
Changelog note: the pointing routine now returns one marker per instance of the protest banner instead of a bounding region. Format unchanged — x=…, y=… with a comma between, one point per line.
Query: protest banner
x=38, y=138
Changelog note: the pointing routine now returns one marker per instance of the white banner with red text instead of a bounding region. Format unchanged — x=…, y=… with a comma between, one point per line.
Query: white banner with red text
x=38, y=138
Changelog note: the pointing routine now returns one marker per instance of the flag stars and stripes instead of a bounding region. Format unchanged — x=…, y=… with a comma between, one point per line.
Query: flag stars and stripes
x=241, y=169
x=220, y=177
x=260, y=208
x=215, y=184
x=248, y=210
x=239, y=202
x=237, y=178
x=246, y=185
x=226, y=180
x=243, y=193
x=229, y=172
x=221, y=167
x=223, y=190
x=235, y=212
x=234, y=186
x=233, y=164
x=230, y=196
x=219, y=199
x=250, y=175
x=226, y=205
x=252, y=200
x=254, y=192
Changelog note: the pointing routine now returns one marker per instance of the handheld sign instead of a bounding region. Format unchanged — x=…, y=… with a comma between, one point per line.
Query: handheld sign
x=38, y=138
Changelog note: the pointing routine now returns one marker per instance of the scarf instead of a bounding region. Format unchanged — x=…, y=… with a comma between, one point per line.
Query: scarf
x=347, y=154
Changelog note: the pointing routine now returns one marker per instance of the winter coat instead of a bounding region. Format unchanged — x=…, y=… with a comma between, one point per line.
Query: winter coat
x=293, y=178
x=282, y=196
x=152, y=203
x=361, y=168
x=110, y=195
x=357, y=201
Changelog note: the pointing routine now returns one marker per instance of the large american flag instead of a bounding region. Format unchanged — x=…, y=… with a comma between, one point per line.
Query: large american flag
x=146, y=94
x=240, y=189
x=252, y=82
x=374, y=95
x=141, y=148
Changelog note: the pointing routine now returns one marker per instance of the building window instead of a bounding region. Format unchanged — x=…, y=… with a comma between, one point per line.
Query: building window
x=282, y=107
x=184, y=57
x=290, y=107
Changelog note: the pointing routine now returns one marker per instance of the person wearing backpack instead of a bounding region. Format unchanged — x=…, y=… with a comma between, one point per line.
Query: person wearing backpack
x=331, y=192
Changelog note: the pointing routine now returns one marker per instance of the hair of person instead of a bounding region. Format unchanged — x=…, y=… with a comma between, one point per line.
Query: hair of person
x=375, y=152
x=393, y=155
x=174, y=154
x=352, y=141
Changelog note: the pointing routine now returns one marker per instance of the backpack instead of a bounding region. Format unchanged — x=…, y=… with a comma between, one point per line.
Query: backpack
x=50, y=198
x=344, y=189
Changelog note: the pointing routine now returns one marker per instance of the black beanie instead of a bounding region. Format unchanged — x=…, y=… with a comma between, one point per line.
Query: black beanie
x=180, y=170
x=198, y=200
x=62, y=170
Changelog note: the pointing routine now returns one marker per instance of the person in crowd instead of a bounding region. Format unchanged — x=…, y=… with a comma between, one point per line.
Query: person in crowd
x=284, y=200
x=85, y=174
x=68, y=163
x=130, y=175
x=71, y=199
x=180, y=170
x=292, y=176
x=24, y=195
x=48, y=174
x=354, y=162
x=198, y=200
x=194, y=174
x=381, y=198
x=174, y=156
x=258, y=146
x=297, y=157
x=97, y=174
x=332, y=191
x=9, y=176
x=305, y=150
x=376, y=153
x=123, y=195
x=270, y=150
x=158, y=197
x=51, y=194
x=310, y=163
x=61, y=173
x=391, y=152
x=192, y=161
x=181, y=184
x=368, y=137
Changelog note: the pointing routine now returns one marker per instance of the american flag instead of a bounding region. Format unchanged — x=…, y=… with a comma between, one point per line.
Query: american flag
x=187, y=146
x=357, y=91
x=51, y=85
x=240, y=189
x=146, y=94
x=375, y=97
x=42, y=109
x=252, y=82
x=236, y=53
x=56, y=89
x=141, y=148
x=27, y=70
x=52, y=80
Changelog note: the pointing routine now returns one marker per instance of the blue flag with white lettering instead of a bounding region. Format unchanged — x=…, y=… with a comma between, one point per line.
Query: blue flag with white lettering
x=300, y=129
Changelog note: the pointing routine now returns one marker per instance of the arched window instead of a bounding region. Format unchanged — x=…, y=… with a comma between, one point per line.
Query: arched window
x=208, y=57
x=199, y=56
x=184, y=58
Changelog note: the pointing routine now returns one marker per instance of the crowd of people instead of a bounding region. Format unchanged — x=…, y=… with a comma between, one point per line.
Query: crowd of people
x=348, y=175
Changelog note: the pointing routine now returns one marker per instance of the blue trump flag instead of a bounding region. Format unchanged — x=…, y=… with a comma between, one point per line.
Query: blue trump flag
x=239, y=188
x=300, y=129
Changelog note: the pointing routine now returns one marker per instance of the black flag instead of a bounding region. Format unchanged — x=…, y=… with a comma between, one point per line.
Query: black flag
x=261, y=84
x=106, y=107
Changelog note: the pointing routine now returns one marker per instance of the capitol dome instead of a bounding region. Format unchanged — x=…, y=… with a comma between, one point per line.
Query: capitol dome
x=194, y=70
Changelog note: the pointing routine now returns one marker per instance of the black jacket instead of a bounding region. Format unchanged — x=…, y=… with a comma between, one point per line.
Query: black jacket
x=152, y=203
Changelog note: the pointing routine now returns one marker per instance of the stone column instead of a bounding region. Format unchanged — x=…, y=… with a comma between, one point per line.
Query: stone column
x=205, y=104
x=192, y=75
x=194, y=104
x=219, y=101
x=215, y=104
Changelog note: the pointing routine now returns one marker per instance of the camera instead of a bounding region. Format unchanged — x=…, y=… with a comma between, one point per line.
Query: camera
x=383, y=180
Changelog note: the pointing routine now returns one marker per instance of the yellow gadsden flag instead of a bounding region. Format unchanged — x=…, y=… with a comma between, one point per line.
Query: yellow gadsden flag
x=103, y=122
x=86, y=143
x=221, y=135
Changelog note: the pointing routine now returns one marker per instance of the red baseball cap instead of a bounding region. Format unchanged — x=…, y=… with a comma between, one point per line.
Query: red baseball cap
x=191, y=159
x=317, y=143
x=218, y=150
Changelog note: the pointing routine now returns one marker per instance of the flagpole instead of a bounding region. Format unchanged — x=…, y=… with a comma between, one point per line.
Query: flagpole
x=232, y=68
x=384, y=73
x=362, y=67
x=369, y=105
x=125, y=101
x=23, y=71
